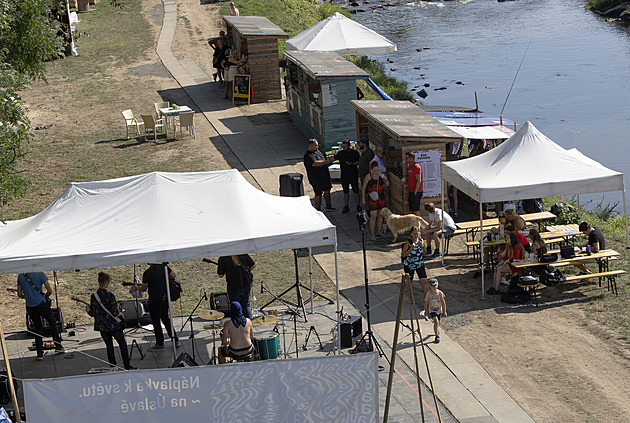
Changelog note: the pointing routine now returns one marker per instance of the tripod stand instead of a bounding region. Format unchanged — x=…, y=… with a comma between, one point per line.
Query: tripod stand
x=368, y=338
x=292, y=311
x=297, y=285
x=204, y=297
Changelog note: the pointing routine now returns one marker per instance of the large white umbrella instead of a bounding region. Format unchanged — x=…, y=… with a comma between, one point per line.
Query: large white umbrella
x=341, y=35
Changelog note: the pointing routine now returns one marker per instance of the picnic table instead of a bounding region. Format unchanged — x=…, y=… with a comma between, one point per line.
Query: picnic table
x=170, y=113
x=560, y=233
x=473, y=226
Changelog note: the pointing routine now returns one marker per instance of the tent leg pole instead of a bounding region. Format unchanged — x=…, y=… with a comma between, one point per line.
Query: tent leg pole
x=170, y=311
x=625, y=214
x=483, y=288
x=310, y=274
x=579, y=210
x=7, y=364
x=442, y=230
x=337, y=345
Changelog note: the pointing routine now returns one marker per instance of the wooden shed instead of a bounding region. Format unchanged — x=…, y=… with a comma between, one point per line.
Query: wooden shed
x=400, y=127
x=319, y=88
x=257, y=38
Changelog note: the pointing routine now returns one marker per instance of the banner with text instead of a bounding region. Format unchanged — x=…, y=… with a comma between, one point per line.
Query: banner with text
x=336, y=388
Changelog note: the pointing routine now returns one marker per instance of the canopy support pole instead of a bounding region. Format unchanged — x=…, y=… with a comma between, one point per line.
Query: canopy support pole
x=625, y=215
x=442, y=227
x=579, y=210
x=337, y=344
x=310, y=274
x=483, y=288
x=170, y=311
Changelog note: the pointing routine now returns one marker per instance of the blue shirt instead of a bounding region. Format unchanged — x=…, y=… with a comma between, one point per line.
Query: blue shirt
x=33, y=298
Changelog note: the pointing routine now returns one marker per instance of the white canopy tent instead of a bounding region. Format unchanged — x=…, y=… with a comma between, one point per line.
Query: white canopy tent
x=158, y=218
x=341, y=35
x=530, y=165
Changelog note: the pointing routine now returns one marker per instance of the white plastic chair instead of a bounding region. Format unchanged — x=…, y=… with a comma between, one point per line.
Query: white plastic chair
x=186, y=120
x=132, y=121
x=158, y=106
x=151, y=125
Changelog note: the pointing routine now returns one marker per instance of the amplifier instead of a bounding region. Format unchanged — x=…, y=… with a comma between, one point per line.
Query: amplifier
x=57, y=314
x=350, y=329
x=221, y=302
x=135, y=311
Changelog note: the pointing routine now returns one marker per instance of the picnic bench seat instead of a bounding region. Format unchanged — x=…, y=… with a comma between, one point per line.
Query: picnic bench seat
x=533, y=290
x=610, y=278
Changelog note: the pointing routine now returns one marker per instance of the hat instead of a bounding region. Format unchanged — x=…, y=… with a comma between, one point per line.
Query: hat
x=362, y=140
x=433, y=282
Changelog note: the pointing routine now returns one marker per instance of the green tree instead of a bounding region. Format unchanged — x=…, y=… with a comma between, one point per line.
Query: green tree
x=28, y=38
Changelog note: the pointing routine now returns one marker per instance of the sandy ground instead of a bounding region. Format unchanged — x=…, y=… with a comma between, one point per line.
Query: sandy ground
x=559, y=365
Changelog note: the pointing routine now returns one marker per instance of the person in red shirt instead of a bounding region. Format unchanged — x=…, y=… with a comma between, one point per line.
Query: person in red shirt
x=414, y=182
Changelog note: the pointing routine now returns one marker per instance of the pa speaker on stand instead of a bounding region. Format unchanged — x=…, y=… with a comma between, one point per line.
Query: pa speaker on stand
x=291, y=185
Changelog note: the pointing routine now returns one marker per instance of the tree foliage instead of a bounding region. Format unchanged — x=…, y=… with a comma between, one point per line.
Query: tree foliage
x=28, y=38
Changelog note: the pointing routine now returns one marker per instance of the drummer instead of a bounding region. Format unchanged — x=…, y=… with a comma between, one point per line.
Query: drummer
x=238, y=333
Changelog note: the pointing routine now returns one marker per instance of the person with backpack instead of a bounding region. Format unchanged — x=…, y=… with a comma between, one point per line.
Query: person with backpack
x=108, y=321
x=412, y=258
x=154, y=280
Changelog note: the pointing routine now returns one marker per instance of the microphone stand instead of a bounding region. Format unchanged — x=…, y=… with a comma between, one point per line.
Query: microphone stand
x=290, y=310
x=189, y=319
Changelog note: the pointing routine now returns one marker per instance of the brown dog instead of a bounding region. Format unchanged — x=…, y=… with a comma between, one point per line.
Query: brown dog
x=399, y=224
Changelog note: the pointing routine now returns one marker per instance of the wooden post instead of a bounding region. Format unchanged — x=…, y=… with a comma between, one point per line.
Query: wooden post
x=392, y=362
x=9, y=375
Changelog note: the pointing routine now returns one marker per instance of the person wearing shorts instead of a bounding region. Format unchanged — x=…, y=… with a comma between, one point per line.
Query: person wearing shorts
x=238, y=333
x=318, y=175
x=435, y=307
x=414, y=182
x=412, y=258
x=348, y=161
x=439, y=221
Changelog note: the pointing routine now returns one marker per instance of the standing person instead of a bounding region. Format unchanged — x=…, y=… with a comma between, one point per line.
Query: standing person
x=412, y=258
x=414, y=182
x=29, y=287
x=104, y=309
x=595, y=241
x=238, y=274
x=238, y=333
x=318, y=175
x=348, y=161
x=233, y=10
x=366, y=157
x=231, y=64
x=374, y=188
x=435, y=307
x=437, y=219
x=153, y=279
x=378, y=158
x=218, y=57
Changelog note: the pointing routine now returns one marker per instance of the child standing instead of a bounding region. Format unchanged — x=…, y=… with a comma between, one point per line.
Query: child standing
x=435, y=306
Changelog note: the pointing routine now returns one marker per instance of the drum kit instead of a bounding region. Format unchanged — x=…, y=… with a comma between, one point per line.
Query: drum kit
x=266, y=343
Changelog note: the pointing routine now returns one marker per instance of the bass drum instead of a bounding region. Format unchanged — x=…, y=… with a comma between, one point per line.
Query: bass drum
x=267, y=345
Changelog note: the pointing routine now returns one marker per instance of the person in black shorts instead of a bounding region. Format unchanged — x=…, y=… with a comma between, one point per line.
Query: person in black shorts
x=318, y=175
x=349, y=161
x=412, y=258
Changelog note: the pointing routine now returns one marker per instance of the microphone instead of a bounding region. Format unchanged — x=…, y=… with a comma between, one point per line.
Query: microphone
x=205, y=296
x=261, y=287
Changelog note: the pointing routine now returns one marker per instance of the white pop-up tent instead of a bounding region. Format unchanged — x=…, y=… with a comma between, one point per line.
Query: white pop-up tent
x=158, y=218
x=341, y=35
x=530, y=165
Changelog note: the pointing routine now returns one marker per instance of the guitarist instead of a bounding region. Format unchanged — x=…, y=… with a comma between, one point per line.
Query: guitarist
x=29, y=287
x=238, y=272
x=108, y=320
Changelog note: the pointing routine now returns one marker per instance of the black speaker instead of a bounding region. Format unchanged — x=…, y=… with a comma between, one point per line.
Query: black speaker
x=184, y=360
x=291, y=185
x=135, y=312
x=221, y=302
x=350, y=329
x=47, y=331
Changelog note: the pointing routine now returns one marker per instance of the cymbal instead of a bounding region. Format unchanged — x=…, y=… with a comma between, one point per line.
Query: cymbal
x=210, y=315
x=264, y=319
x=213, y=328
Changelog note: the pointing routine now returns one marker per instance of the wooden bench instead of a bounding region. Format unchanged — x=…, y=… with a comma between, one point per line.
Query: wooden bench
x=533, y=290
x=448, y=239
x=610, y=278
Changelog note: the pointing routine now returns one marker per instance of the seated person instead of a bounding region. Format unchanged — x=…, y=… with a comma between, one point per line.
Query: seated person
x=487, y=249
x=516, y=220
x=437, y=218
x=238, y=333
x=509, y=228
x=538, y=244
x=595, y=240
x=513, y=251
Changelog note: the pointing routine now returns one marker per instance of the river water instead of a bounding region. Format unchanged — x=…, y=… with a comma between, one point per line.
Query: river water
x=573, y=84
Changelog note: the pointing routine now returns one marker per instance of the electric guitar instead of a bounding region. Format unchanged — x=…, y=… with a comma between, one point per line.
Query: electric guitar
x=207, y=260
x=46, y=296
x=79, y=300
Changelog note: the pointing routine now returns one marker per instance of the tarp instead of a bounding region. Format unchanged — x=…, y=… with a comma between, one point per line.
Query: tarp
x=529, y=165
x=454, y=118
x=319, y=389
x=159, y=217
x=341, y=35
x=482, y=132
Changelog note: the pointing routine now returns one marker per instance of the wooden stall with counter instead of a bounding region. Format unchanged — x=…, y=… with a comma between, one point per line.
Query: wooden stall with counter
x=319, y=88
x=400, y=127
x=257, y=38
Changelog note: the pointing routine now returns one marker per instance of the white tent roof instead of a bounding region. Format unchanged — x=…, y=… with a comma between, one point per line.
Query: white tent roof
x=341, y=35
x=529, y=165
x=159, y=217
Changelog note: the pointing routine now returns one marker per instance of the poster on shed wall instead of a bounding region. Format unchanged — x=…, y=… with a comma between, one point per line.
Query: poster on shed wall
x=429, y=161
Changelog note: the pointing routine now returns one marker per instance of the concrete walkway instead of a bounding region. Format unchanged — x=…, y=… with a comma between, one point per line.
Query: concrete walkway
x=267, y=151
